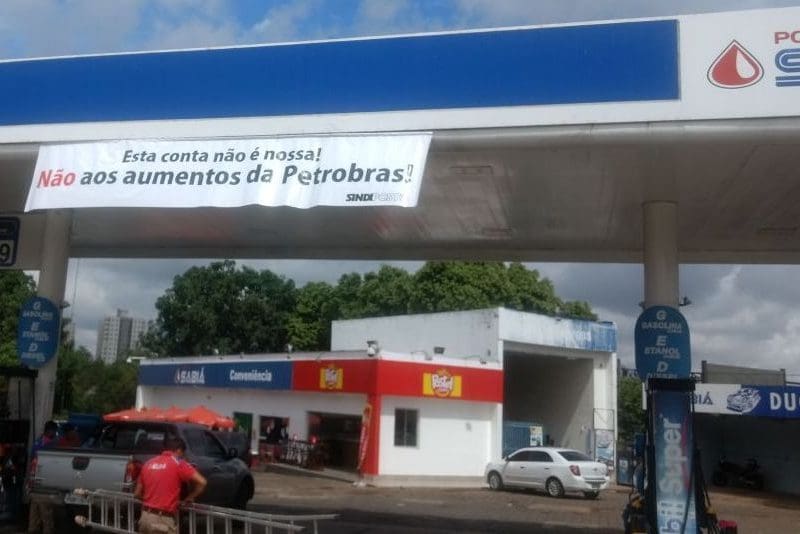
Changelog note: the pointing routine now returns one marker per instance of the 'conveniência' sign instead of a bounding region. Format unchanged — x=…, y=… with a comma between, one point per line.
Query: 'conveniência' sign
x=302, y=172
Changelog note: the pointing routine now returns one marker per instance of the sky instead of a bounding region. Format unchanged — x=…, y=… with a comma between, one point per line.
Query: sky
x=740, y=314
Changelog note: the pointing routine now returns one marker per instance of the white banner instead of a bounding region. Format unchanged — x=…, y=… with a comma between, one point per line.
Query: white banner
x=302, y=172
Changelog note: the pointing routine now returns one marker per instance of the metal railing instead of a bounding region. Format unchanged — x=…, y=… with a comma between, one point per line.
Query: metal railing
x=114, y=511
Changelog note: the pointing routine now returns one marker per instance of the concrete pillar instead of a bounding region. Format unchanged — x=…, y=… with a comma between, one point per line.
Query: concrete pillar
x=52, y=283
x=660, y=253
x=661, y=288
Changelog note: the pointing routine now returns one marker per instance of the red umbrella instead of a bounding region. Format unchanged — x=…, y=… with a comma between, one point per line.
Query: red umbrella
x=208, y=417
x=175, y=414
x=132, y=414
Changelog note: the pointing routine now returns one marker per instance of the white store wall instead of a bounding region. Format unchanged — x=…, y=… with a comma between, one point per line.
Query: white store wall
x=605, y=391
x=463, y=334
x=491, y=333
x=454, y=438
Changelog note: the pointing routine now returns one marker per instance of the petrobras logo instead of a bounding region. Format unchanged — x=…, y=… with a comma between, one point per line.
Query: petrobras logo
x=190, y=377
x=744, y=401
x=331, y=377
x=441, y=384
x=735, y=68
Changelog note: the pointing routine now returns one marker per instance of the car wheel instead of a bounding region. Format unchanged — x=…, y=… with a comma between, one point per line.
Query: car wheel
x=243, y=494
x=591, y=494
x=495, y=481
x=554, y=487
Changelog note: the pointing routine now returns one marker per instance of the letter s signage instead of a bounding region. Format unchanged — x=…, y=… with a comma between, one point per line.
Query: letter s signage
x=788, y=62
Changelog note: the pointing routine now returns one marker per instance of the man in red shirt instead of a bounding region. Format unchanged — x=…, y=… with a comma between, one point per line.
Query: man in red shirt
x=159, y=488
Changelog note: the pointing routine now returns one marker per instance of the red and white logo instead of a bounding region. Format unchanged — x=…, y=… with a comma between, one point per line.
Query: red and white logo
x=735, y=68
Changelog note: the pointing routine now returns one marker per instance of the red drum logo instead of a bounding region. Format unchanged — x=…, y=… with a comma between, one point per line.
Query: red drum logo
x=735, y=68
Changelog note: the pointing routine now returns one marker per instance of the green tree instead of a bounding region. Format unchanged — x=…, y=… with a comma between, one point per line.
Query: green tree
x=529, y=292
x=459, y=285
x=72, y=363
x=577, y=309
x=630, y=415
x=309, y=325
x=102, y=388
x=451, y=286
x=15, y=288
x=232, y=310
x=117, y=389
x=387, y=292
x=220, y=308
x=346, y=295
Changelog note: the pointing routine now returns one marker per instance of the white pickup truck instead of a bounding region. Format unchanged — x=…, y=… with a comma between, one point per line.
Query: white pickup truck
x=113, y=462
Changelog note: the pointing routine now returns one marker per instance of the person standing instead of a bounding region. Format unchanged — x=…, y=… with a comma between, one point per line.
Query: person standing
x=159, y=488
x=40, y=513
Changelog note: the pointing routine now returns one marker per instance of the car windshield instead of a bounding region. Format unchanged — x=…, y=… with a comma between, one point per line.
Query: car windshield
x=574, y=456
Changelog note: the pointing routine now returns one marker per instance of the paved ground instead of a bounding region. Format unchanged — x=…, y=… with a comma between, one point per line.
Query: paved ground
x=413, y=510
x=365, y=510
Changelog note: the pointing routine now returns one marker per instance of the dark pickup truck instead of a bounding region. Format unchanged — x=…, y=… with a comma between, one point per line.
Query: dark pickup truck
x=112, y=461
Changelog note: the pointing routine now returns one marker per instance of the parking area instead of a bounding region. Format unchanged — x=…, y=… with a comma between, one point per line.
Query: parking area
x=483, y=510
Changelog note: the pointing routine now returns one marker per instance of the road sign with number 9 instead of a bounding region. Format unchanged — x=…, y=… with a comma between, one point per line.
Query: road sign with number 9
x=9, y=237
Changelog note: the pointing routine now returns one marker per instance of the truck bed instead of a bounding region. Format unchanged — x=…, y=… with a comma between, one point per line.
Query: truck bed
x=59, y=471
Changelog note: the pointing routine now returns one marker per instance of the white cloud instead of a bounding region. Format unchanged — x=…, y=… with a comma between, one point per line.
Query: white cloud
x=50, y=27
x=193, y=33
x=520, y=12
x=284, y=22
x=381, y=11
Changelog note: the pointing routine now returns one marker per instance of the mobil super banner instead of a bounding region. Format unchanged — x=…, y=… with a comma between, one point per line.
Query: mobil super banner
x=301, y=172
x=672, y=435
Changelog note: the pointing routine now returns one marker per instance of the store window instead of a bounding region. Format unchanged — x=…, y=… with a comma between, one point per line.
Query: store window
x=405, y=427
x=273, y=429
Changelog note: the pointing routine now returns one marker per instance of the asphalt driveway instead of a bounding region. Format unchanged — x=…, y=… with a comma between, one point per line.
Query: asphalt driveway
x=415, y=510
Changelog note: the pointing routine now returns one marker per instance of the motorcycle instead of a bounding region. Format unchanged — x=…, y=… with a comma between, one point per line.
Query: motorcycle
x=748, y=475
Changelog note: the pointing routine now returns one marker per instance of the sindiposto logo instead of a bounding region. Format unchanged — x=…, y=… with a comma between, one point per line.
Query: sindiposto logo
x=373, y=197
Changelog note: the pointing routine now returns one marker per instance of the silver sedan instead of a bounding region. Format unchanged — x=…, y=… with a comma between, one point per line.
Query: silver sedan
x=552, y=469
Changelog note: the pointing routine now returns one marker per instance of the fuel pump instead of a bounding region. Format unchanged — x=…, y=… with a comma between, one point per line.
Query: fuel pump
x=670, y=471
x=669, y=494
